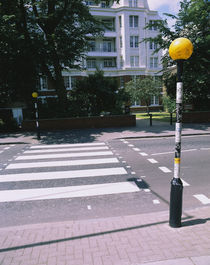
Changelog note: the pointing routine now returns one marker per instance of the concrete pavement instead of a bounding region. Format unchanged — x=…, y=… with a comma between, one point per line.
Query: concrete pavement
x=124, y=240
x=142, y=129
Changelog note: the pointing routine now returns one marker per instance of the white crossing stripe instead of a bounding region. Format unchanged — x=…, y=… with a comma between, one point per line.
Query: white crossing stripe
x=64, y=174
x=66, y=155
x=143, y=154
x=185, y=183
x=65, y=145
x=63, y=163
x=153, y=161
x=67, y=192
x=136, y=149
x=202, y=198
x=156, y=201
x=67, y=150
x=165, y=169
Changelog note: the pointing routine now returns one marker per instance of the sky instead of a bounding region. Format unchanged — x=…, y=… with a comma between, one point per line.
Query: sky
x=165, y=6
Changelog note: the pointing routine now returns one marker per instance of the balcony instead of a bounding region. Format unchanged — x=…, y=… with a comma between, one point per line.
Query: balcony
x=105, y=64
x=105, y=49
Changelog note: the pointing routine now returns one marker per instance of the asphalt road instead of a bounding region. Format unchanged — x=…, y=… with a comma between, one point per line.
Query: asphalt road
x=120, y=177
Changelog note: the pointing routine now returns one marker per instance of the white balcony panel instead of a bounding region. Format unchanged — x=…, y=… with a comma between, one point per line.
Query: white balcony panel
x=101, y=54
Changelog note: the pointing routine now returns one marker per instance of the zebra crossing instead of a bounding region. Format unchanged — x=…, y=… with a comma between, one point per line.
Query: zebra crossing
x=65, y=161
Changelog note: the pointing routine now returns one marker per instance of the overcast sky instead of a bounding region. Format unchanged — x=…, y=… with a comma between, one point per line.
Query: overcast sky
x=165, y=6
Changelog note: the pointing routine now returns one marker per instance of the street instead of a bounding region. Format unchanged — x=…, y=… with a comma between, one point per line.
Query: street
x=47, y=183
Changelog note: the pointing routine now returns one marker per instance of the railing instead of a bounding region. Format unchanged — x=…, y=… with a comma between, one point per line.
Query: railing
x=102, y=49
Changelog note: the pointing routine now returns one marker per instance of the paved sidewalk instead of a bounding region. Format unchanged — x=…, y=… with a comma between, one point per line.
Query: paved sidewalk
x=124, y=240
x=142, y=129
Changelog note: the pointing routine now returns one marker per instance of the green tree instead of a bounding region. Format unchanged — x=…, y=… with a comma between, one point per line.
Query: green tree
x=45, y=37
x=96, y=94
x=143, y=89
x=192, y=22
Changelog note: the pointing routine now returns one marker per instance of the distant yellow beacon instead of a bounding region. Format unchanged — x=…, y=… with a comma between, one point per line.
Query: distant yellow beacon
x=180, y=49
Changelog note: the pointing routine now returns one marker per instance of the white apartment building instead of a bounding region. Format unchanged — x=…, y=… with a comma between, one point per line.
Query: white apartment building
x=120, y=52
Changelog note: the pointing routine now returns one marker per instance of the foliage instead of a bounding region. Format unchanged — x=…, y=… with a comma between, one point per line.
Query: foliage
x=143, y=89
x=41, y=37
x=169, y=104
x=192, y=22
x=96, y=94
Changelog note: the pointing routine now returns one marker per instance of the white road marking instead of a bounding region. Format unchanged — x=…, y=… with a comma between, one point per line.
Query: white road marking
x=63, y=163
x=133, y=173
x=130, y=145
x=147, y=190
x=189, y=150
x=202, y=198
x=153, y=161
x=136, y=149
x=207, y=148
x=65, y=155
x=89, y=207
x=143, y=176
x=165, y=169
x=185, y=183
x=165, y=153
x=64, y=174
x=66, y=150
x=64, y=145
x=125, y=142
x=143, y=154
x=156, y=201
x=1, y=152
x=6, y=148
x=67, y=192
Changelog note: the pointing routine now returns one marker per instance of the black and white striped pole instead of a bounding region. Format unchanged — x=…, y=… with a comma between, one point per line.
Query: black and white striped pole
x=35, y=95
x=179, y=50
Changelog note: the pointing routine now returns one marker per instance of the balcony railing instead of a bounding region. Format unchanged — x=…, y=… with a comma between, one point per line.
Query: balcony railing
x=101, y=49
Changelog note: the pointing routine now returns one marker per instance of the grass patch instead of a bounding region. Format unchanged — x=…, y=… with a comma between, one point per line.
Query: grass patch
x=157, y=116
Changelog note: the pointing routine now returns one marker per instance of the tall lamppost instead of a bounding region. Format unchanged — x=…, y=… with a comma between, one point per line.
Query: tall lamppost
x=179, y=50
x=35, y=95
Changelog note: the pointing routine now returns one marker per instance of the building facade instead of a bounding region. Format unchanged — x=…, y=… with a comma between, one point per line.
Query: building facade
x=120, y=52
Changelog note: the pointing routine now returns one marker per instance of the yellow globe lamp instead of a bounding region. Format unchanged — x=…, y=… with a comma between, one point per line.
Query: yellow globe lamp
x=181, y=49
x=34, y=94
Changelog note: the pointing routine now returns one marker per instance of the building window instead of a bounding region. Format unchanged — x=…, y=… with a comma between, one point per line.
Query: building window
x=121, y=43
x=109, y=24
x=153, y=45
x=134, y=41
x=109, y=63
x=120, y=21
x=133, y=21
x=133, y=3
x=154, y=100
x=121, y=62
x=151, y=25
x=104, y=4
x=69, y=82
x=73, y=82
x=153, y=62
x=90, y=3
x=107, y=46
x=66, y=82
x=43, y=83
x=92, y=46
x=134, y=61
x=91, y=63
